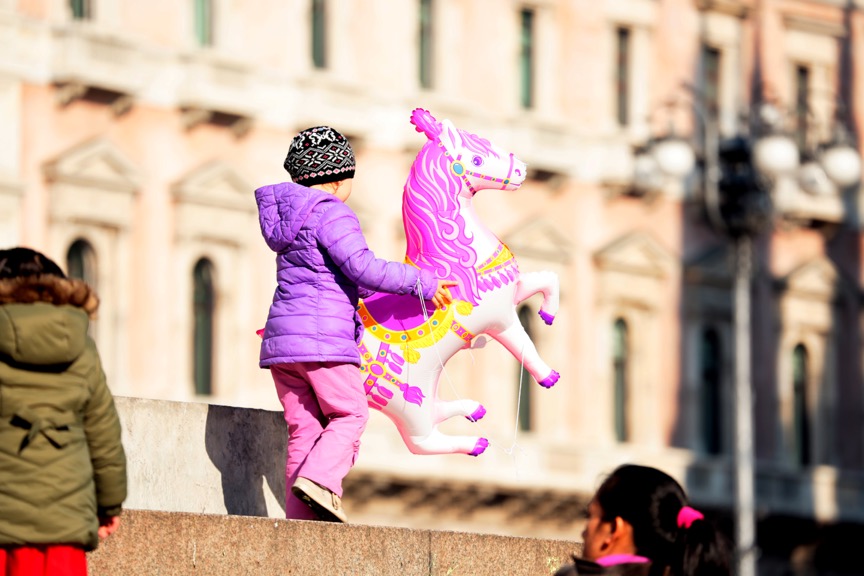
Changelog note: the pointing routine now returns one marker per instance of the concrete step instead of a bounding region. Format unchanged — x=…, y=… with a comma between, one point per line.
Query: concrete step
x=179, y=543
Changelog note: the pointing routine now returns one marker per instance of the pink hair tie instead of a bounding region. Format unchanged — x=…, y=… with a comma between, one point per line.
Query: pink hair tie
x=687, y=515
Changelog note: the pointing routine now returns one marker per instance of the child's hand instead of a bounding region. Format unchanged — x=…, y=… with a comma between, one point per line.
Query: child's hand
x=442, y=293
x=107, y=526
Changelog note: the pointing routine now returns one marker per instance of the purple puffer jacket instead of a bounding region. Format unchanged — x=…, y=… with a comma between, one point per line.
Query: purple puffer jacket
x=322, y=267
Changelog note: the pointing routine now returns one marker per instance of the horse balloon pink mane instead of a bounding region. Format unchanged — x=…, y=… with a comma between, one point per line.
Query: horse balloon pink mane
x=406, y=343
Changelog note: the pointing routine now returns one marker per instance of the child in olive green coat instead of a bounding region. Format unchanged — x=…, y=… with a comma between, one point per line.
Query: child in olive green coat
x=62, y=464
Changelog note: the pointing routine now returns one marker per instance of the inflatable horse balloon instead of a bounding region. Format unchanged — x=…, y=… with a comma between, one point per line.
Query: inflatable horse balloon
x=407, y=342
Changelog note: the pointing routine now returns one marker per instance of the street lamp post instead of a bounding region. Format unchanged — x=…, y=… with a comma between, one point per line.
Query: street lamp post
x=745, y=502
x=738, y=176
x=736, y=201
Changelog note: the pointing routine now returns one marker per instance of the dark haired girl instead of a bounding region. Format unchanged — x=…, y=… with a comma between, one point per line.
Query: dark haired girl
x=639, y=524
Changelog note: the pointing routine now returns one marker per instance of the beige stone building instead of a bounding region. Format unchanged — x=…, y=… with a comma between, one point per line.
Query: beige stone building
x=135, y=132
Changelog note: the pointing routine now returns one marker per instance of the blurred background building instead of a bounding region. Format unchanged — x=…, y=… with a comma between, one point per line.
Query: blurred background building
x=134, y=134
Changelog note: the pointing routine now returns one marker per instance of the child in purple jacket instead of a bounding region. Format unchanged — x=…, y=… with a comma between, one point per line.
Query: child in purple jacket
x=323, y=266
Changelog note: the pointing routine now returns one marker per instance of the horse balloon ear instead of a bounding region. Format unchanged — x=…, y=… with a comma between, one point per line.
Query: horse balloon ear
x=426, y=123
x=450, y=136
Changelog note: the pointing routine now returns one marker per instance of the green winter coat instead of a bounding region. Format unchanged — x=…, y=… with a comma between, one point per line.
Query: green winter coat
x=62, y=464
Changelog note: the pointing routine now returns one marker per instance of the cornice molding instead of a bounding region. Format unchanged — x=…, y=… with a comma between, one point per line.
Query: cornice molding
x=811, y=26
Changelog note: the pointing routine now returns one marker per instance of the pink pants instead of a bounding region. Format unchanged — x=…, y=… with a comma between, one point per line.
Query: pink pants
x=326, y=412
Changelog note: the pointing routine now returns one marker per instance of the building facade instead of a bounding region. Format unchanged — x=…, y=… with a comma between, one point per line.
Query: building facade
x=135, y=133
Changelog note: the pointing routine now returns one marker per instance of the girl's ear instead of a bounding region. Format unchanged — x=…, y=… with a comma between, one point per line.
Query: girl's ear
x=621, y=536
x=608, y=538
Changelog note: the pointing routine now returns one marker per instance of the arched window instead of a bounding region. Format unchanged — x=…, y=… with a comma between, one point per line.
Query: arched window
x=800, y=413
x=204, y=22
x=623, y=70
x=81, y=261
x=523, y=381
x=802, y=104
x=710, y=397
x=711, y=66
x=204, y=299
x=81, y=264
x=81, y=9
x=620, y=350
x=319, y=33
x=425, y=45
x=526, y=58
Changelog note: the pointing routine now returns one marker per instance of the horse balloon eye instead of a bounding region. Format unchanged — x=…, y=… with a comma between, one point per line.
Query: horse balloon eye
x=477, y=161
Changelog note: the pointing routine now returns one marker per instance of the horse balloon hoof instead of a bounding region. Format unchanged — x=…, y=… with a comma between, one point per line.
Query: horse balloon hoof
x=550, y=380
x=547, y=318
x=480, y=447
x=477, y=414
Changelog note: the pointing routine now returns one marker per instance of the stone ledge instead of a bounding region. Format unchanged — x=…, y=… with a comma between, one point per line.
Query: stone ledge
x=167, y=543
x=208, y=459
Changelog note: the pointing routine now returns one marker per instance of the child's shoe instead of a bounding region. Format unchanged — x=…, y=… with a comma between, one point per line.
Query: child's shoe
x=326, y=504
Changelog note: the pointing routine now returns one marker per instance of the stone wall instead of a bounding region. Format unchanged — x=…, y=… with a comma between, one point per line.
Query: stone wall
x=206, y=496
x=163, y=543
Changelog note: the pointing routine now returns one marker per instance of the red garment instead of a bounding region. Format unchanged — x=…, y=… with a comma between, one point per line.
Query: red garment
x=47, y=560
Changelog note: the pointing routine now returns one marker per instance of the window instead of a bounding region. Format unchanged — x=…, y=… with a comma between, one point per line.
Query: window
x=425, y=48
x=711, y=79
x=526, y=59
x=622, y=76
x=802, y=105
x=319, y=34
x=619, y=367
x=800, y=413
x=202, y=339
x=81, y=9
x=711, y=400
x=523, y=381
x=81, y=262
x=204, y=22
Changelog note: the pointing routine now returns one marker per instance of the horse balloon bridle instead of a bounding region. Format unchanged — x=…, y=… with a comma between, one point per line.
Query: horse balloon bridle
x=458, y=168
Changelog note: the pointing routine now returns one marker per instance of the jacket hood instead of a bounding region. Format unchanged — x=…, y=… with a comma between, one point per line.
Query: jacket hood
x=283, y=209
x=44, y=319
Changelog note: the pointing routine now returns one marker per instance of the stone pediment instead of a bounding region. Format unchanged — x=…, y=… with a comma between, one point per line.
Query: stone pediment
x=729, y=7
x=95, y=164
x=540, y=239
x=818, y=278
x=216, y=184
x=637, y=253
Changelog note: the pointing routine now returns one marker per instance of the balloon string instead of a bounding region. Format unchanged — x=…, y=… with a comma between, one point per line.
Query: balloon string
x=511, y=451
x=514, y=446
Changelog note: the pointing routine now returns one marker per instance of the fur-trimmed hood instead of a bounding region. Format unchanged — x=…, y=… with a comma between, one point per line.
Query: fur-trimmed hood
x=50, y=289
x=44, y=319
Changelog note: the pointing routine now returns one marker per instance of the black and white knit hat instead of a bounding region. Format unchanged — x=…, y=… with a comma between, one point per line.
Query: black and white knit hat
x=319, y=155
